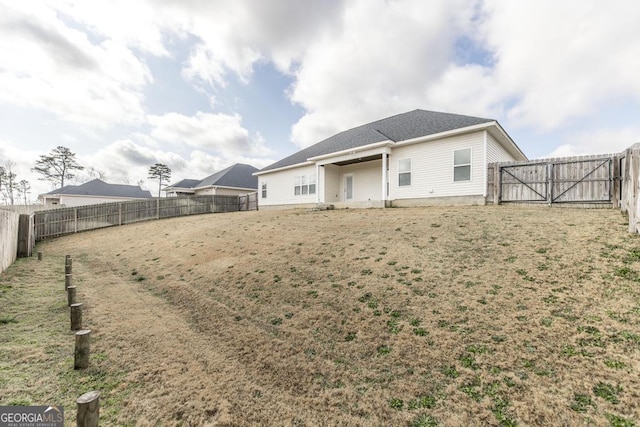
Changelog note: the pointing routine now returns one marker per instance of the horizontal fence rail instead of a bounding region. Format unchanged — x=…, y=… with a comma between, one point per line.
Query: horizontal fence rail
x=57, y=222
x=586, y=180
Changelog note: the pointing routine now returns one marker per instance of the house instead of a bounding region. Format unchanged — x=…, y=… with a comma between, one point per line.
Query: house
x=93, y=192
x=416, y=158
x=235, y=180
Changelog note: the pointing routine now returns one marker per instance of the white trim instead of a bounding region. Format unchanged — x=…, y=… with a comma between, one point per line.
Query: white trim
x=350, y=151
x=465, y=164
x=297, y=165
x=410, y=172
x=485, y=162
x=384, y=176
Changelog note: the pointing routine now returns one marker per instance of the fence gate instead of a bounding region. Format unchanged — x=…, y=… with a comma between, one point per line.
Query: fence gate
x=568, y=180
x=524, y=183
x=581, y=181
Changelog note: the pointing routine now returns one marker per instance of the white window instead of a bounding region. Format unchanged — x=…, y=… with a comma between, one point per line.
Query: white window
x=404, y=172
x=462, y=165
x=304, y=184
x=312, y=184
x=297, y=188
x=264, y=190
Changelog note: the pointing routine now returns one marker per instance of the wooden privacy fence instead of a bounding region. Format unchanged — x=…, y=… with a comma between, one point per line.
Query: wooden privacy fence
x=586, y=180
x=62, y=221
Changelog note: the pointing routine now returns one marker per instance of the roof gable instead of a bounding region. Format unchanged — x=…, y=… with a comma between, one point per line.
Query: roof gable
x=238, y=175
x=98, y=187
x=401, y=127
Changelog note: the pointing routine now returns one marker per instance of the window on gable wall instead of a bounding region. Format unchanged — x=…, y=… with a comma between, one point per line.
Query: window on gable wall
x=404, y=172
x=462, y=165
x=304, y=184
x=264, y=190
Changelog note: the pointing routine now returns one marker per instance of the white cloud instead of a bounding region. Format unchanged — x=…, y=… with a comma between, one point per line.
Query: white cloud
x=49, y=66
x=562, y=60
x=383, y=60
x=222, y=133
x=599, y=141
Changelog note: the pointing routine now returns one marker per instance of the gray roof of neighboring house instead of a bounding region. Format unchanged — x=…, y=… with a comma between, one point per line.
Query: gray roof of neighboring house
x=186, y=183
x=97, y=187
x=400, y=127
x=235, y=176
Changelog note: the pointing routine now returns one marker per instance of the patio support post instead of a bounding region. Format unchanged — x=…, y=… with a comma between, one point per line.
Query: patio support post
x=384, y=176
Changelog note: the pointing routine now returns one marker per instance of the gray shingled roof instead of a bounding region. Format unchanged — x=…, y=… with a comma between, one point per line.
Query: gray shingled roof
x=401, y=127
x=185, y=183
x=235, y=176
x=97, y=187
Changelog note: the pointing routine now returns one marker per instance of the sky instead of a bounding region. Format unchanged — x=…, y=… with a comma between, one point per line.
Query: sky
x=199, y=85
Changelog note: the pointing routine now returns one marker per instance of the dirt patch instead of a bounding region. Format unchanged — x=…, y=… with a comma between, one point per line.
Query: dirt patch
x=450, y=316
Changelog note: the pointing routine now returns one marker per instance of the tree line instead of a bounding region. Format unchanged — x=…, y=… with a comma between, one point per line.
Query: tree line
x=57, y=167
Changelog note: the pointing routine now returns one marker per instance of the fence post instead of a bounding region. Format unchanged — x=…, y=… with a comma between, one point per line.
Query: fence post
x=39, y=256
x=82, y=349
x=75, y=220
x=76, y=316
x=71, y=295
x=550, y=183
x=88, y=409
x=120, y=213
x=158, y=208
x=68, y=281
x=497, y=183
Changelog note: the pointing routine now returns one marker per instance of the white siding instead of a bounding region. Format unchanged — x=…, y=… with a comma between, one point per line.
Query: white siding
x=280, y=187
x=367, y=180
x=332, y=192
x=432, y=168
x=496, y=152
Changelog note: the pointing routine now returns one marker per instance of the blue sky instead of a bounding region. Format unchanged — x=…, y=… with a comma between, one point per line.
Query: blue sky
x=201, y=85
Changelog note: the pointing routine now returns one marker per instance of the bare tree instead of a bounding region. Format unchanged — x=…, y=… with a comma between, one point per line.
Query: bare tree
x=9, y=178
x=96, y=173
x=57, y=166
x=3, y=174
x=23, y=189
x=160, y=172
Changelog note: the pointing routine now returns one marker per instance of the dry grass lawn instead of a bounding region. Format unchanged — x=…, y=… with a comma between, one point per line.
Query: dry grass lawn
x=428, y=316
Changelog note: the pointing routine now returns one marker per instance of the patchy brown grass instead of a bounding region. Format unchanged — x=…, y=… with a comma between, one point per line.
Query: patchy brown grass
x=429, y=316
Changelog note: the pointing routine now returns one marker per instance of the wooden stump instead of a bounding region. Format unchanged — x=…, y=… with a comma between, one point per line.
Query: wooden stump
x=88, y=409
x=83, y=347
x=66, y=259
x=68, y=268
x=71, y=295
x=76, y=316
x=68, y=281
x=39, y=256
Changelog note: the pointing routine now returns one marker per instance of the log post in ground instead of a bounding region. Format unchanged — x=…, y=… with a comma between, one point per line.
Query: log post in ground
x=39, y=256
x=88, y=409
x=76, y=316
x=82, y=349
x=71, y=295
x=68, y=281
x=68, y=267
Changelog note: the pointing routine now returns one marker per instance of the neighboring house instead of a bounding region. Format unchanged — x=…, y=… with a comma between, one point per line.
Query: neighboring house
x=232, y=181
x=93, y=192
x=416, y=158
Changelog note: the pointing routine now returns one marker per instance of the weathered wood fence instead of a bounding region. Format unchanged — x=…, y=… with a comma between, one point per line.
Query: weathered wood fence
x=9, y=222
x=62, y=221
x=611, y=180
x=587, y=181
